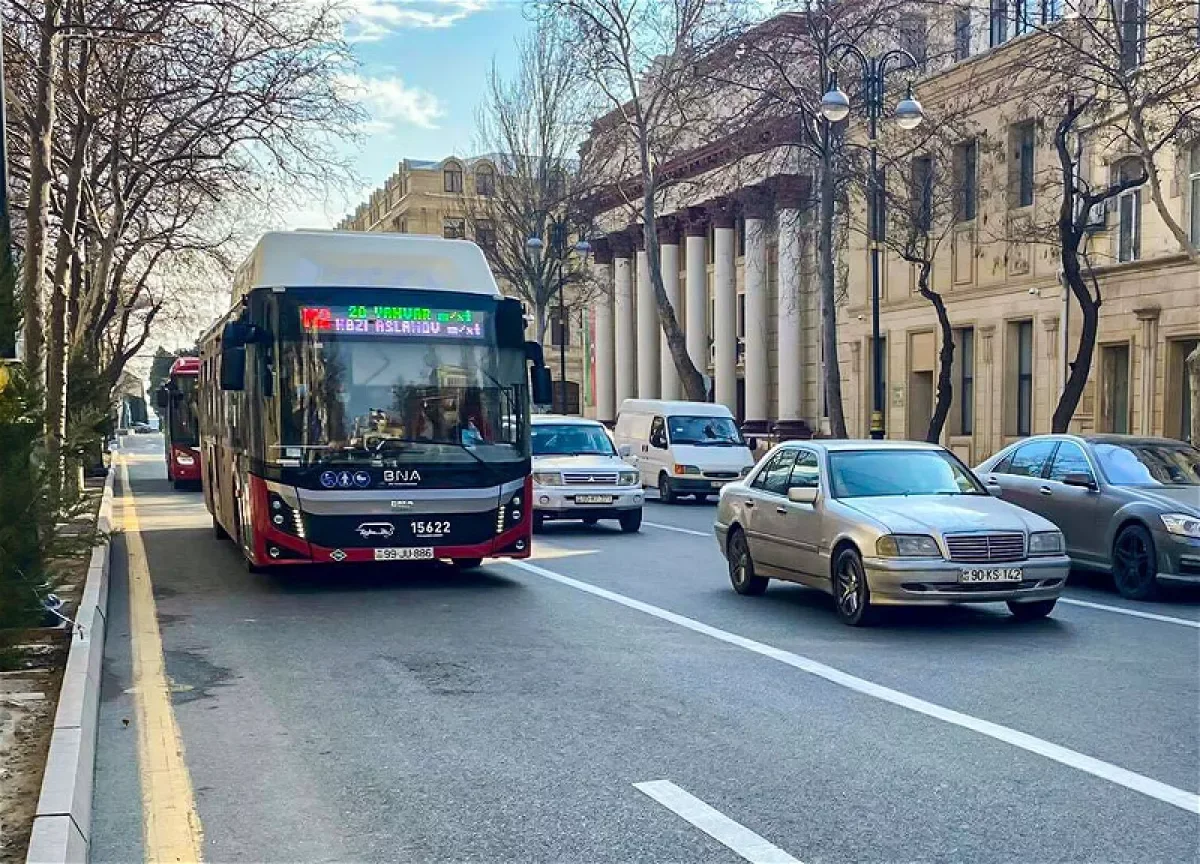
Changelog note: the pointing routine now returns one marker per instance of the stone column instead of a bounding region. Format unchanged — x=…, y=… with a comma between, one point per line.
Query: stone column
x=696, y=289
x=647, y=325
x=725, y=295
x=1147, y=341
x=605, y=360
x=789, y=199
x=668, y=244
x=756, y=203
x=624, y=328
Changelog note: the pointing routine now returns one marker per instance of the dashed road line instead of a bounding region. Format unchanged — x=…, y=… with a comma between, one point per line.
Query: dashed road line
x=715, y=824
x=1115, y=774
x=1134, y=613
x=691, y=531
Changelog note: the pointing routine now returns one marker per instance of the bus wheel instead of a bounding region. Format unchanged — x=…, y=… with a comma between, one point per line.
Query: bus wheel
x=218, y=531
x=466, y=563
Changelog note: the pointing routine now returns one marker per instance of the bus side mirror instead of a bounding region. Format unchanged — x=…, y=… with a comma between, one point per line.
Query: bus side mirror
x=233, y=368
x=541, y=386
x=162, y=398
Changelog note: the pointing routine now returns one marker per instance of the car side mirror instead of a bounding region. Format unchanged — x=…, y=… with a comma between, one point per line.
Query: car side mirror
x=802, y=494
x=752, y=443
x=1085, y=481
x=994, y=489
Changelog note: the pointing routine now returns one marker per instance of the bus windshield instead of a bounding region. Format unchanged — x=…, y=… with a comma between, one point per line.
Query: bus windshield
x=182, y=412
x=354, y=399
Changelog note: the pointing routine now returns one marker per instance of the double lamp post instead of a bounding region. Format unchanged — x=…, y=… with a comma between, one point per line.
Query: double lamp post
x=560, y=255
x=835, y=107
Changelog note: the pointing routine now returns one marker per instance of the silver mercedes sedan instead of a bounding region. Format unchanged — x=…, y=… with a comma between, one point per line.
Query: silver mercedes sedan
x=882, y=523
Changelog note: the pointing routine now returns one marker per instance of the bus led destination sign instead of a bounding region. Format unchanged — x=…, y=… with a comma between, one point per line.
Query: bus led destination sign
x=416, y=321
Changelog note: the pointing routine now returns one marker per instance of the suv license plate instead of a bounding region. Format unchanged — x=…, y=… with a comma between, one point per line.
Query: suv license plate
x=405, y=553
x=990, y=574
x=593, y=499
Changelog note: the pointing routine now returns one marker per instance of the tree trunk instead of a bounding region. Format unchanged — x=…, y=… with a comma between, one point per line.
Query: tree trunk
x=1193, y=370
x=37, y=210
x=831, y=371
x=1081, y=366
x=945, y=384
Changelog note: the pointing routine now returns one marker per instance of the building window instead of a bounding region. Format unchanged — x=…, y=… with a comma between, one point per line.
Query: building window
x=913, y=38
x=485, y=234
x=966, y=156
x=740, y=250
x=454, y=228
x=1022, y=172
x=966, y=381
x=1178, y=419
x=962, y=34
x=452, y=179
x=1129, y=212
x=1130, y=33
x=560, y=328
x=1019, y=381
x=1051, y=10
x=1023, y=19
x=1194, y=192
x=922, y=194
x=1114, y=398
x=741, y=315
x=998, y=19
x=485, y=181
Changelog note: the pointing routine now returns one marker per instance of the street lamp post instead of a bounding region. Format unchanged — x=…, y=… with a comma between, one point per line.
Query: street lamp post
x=558, y=237
x=835, y=107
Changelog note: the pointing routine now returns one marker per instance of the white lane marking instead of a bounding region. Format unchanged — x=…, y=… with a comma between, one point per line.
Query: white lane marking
x=714, y=823
x=1121, y=610
x=691, y=531
x=1176, y=797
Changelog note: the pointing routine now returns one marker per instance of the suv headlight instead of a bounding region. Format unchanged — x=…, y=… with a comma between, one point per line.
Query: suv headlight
x=907, y=546
x=1181, y=524
x=547, y=478
x=628, y=478
x=1045, y=543
x=686, y=469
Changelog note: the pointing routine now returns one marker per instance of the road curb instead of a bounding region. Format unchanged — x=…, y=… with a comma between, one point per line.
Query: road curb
x=62, y=825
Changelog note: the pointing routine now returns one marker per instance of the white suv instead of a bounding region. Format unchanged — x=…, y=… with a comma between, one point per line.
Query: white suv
x=577, y=474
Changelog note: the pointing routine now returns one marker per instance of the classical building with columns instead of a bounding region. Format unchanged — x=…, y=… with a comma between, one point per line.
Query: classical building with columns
x=738, y=262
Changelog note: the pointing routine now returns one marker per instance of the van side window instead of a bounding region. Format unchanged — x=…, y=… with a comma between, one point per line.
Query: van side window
x=658, y=434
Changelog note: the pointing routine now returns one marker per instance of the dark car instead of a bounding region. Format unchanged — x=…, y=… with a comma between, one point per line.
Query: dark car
x=1126, y=505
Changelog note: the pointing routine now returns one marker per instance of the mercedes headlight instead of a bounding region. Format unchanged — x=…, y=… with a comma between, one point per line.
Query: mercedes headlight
x=547, y=478
x=907, y=546
x=686, y=469
x=1181, y=524
x=1045, y=543
x=628, y=478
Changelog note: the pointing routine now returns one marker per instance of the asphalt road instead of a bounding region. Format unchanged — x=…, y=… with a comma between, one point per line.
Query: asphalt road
x=506, y=715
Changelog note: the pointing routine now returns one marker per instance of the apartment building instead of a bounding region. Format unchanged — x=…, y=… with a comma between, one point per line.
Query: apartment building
x=444, y=199
x=738, y=245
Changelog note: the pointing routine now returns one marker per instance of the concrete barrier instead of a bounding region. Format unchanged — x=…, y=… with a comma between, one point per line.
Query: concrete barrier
x=62, y=827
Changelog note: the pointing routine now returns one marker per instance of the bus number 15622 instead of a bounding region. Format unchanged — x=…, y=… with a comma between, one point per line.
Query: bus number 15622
x=434, y=528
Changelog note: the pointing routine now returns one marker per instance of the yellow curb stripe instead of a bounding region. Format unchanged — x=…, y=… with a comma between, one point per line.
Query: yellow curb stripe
x=170, y=824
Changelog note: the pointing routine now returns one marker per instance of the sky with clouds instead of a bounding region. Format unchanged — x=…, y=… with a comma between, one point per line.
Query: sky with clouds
x=421, y=77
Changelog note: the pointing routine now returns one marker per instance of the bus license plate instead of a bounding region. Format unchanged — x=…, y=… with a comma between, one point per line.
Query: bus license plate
x=593, y=499
x=990, y=574
x=405, y=553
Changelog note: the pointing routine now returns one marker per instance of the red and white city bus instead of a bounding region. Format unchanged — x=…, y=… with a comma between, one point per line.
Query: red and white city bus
x=181, y=427
x=367, y=399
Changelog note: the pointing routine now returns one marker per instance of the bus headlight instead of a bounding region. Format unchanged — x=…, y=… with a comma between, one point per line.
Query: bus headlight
x=283, y=517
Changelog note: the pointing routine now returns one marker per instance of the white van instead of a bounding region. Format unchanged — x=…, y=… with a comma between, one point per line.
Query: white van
x=682, y=448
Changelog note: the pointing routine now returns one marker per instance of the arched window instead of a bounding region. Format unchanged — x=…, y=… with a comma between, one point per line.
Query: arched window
x=485, y=181
x=452, y=176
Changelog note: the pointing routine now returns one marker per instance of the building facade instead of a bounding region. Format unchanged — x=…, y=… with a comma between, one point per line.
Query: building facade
x=738, y=256
x=438, y=198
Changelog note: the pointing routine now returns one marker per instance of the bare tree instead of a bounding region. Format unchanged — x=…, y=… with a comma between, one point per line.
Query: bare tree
x=529, y=127
x=647, y=60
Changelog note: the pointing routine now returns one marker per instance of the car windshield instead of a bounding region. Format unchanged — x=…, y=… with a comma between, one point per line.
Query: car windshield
x=570, y=439
x=1149, y=463
x=869, y=473
x=704, y=431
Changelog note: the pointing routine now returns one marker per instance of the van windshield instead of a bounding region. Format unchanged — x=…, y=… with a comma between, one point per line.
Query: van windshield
x=704, y=431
